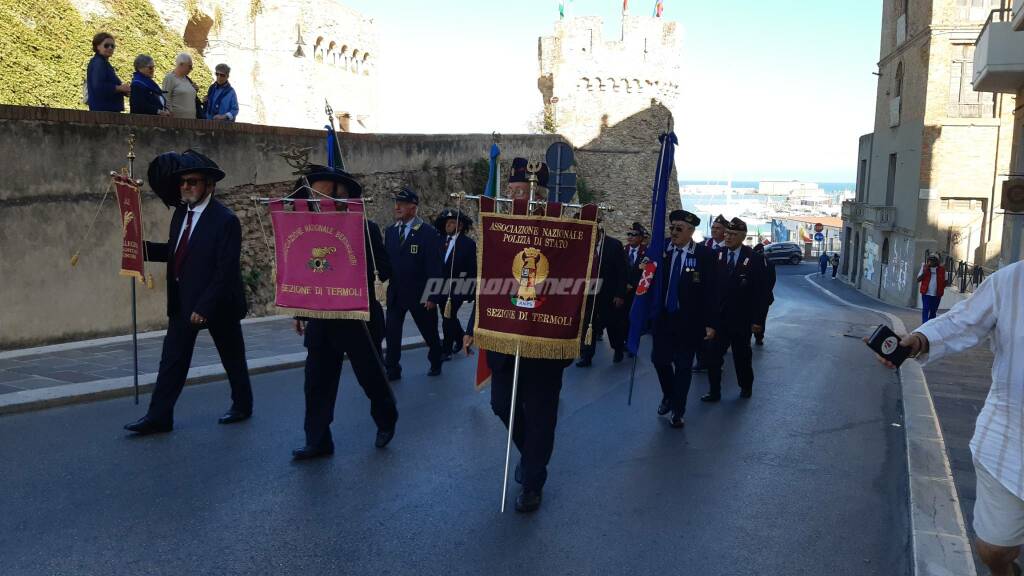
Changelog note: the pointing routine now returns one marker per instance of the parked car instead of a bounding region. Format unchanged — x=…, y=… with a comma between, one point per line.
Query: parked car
x=790, y=252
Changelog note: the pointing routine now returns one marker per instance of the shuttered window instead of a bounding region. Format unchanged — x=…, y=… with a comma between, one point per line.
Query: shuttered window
x=964, y=102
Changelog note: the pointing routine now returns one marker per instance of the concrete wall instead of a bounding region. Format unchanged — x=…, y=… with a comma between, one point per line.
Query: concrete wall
x=55, y=172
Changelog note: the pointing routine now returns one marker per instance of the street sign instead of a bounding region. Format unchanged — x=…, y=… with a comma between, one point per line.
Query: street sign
x=818, y=227
x=561, y=182
x=819, y=237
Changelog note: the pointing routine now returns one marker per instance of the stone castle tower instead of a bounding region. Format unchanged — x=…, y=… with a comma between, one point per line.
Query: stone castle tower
x=611, y=100
x=589, y=83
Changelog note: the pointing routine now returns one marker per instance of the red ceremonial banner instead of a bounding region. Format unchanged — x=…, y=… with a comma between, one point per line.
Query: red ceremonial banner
x=534, y=274
x=129, y=200
x=320, y=263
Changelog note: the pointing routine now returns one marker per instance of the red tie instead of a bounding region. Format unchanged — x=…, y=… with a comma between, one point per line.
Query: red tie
x=182, y=251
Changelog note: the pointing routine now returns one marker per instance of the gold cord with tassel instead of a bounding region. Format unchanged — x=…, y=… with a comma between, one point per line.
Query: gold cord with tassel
x=88, y=233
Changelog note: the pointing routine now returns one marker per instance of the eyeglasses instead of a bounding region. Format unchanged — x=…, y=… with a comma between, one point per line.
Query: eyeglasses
x=191, y=182
x=220, y=75
x=110, y=46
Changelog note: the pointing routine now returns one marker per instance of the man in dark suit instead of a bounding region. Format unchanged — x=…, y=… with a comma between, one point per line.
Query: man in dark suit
x=327, y=341
x=769, y=267
x=717, y=239
x=413, y=247
x=607, y=307
x=458, y=252
x=540, y=383
x=204, y=290
x=688, y=317
x=742, y=283
x=635, y=253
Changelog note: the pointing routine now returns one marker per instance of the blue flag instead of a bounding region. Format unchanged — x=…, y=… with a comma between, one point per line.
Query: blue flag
x=648, y=302
x=493, y=177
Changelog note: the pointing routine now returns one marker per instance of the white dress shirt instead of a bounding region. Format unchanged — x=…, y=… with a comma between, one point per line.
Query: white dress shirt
x=451, y=246
x=995, y=310
x=197, y=212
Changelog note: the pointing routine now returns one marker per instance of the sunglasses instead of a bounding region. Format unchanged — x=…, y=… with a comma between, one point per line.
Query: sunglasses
x=221, y=75
x=191, y=182
x=677, y=228
x=109, y=45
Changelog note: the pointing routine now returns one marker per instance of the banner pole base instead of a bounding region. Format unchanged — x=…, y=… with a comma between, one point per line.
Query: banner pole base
x=632, y=377
x=135, y=342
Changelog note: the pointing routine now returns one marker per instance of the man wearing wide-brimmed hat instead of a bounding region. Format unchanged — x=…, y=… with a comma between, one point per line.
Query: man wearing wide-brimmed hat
x=458, y=252
x=204, y=286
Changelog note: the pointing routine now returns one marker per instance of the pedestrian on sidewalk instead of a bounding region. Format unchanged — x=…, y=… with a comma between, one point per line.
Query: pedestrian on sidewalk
x=327, y=341
x=204, y=289
x=607, y=311
x=742, y=284
x=716, y=243
x=221, y=102
x=994, y=311
x=933, y=285
x=769, y=267
x=688, y=317
x=182, y=92
x=823, y=261
x=103, y=90
x=835, y=264
x=414, y=248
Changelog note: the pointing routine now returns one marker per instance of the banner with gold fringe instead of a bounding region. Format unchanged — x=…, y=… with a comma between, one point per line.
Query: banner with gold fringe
x=320, y=262
x=532, y=282
x=129, y=201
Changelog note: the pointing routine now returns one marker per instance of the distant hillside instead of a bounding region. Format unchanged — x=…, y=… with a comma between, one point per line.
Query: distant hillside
x=46, y=46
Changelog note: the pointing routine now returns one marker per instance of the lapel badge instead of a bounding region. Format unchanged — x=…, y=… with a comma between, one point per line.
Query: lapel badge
x=414, y=249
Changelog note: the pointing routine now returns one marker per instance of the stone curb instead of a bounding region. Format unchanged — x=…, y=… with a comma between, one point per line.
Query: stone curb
x=42, y=398
x=938, y=533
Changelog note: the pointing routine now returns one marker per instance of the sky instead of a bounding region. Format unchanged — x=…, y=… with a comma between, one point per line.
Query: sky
x=770, y=89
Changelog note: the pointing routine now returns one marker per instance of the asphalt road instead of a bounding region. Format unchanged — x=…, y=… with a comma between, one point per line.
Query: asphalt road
x=808, y=477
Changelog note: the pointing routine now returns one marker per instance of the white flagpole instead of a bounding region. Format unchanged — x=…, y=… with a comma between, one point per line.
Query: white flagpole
x=511, y=423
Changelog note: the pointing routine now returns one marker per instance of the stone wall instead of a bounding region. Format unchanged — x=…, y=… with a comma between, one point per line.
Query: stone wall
x=55, y=173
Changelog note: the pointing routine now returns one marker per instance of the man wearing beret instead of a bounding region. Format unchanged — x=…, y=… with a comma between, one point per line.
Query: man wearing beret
x=413, y=247
x=459, y=256
x=328, y=341
x=717, y=239
x=688, y=316
x=743, y=305
x=635, y=254
x=204, y=290
x=540, y=383
x=606, y=310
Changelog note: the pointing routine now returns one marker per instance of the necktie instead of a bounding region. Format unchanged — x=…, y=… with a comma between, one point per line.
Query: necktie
x=672, y=301
x=402, y=232
x=632, y=256
x=447, y=244
x=732, y=261
x=182, y=250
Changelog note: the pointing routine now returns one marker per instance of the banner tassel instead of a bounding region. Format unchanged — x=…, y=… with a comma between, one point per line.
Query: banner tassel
x=589, y=341
x=149, y=281
x=74, y=260
x=448, y=309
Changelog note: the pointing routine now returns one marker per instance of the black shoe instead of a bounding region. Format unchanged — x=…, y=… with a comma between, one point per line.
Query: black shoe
x=619, y=355
x=144, y=426
x=446, y=358
x=677, y=421
x=528, y=501
x=759, y=341
x=232, y=416
x=394, y=375
x=663, y=408
x=584, y=363
x=711, y=398
x=435, y=370
x=746, y=392
x=309, y=453
x=383, y=437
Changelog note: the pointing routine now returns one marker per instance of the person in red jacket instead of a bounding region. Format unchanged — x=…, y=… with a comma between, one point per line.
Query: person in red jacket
x=933, y=284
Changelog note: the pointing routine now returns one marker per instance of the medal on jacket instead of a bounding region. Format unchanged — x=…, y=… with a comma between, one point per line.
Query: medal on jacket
x=414, y=249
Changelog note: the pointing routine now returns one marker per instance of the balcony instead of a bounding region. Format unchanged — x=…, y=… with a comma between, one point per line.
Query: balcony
x=999, y=56
x=881, y=218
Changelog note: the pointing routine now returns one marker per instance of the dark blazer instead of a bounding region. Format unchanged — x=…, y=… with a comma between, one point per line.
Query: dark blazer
x=211, y=278
x=633, y=270
x=145, y=97
x=744, y=294
x=698, y=295
x=414, y=262
x=102, y=82
x=612, y=272
x=461, y=266
x=321, y=332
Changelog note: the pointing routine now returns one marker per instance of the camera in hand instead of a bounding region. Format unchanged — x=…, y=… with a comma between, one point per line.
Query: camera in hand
x=886, y=344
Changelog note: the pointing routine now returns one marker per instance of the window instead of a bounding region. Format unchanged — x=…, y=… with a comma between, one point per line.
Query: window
x=890, y=183
x=964, y=102
x=976, y=10
x=862, y=176
x=898, y=88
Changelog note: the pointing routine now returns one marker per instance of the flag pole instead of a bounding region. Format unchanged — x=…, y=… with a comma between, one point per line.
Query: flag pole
x=511, y=424
x=632, y=379
x=135, y=325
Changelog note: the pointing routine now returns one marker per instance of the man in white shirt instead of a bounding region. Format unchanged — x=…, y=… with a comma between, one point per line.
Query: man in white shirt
x=996, y=311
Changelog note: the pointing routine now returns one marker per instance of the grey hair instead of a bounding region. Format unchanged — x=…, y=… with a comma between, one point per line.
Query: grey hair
x=223, y=68
x=143, y=61
x=182, y=58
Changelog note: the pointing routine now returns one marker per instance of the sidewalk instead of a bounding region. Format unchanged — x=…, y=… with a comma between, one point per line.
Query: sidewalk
x=35, y=378
x=958, y=385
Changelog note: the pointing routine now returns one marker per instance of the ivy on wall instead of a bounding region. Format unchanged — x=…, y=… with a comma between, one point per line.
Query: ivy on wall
x=46, y=46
